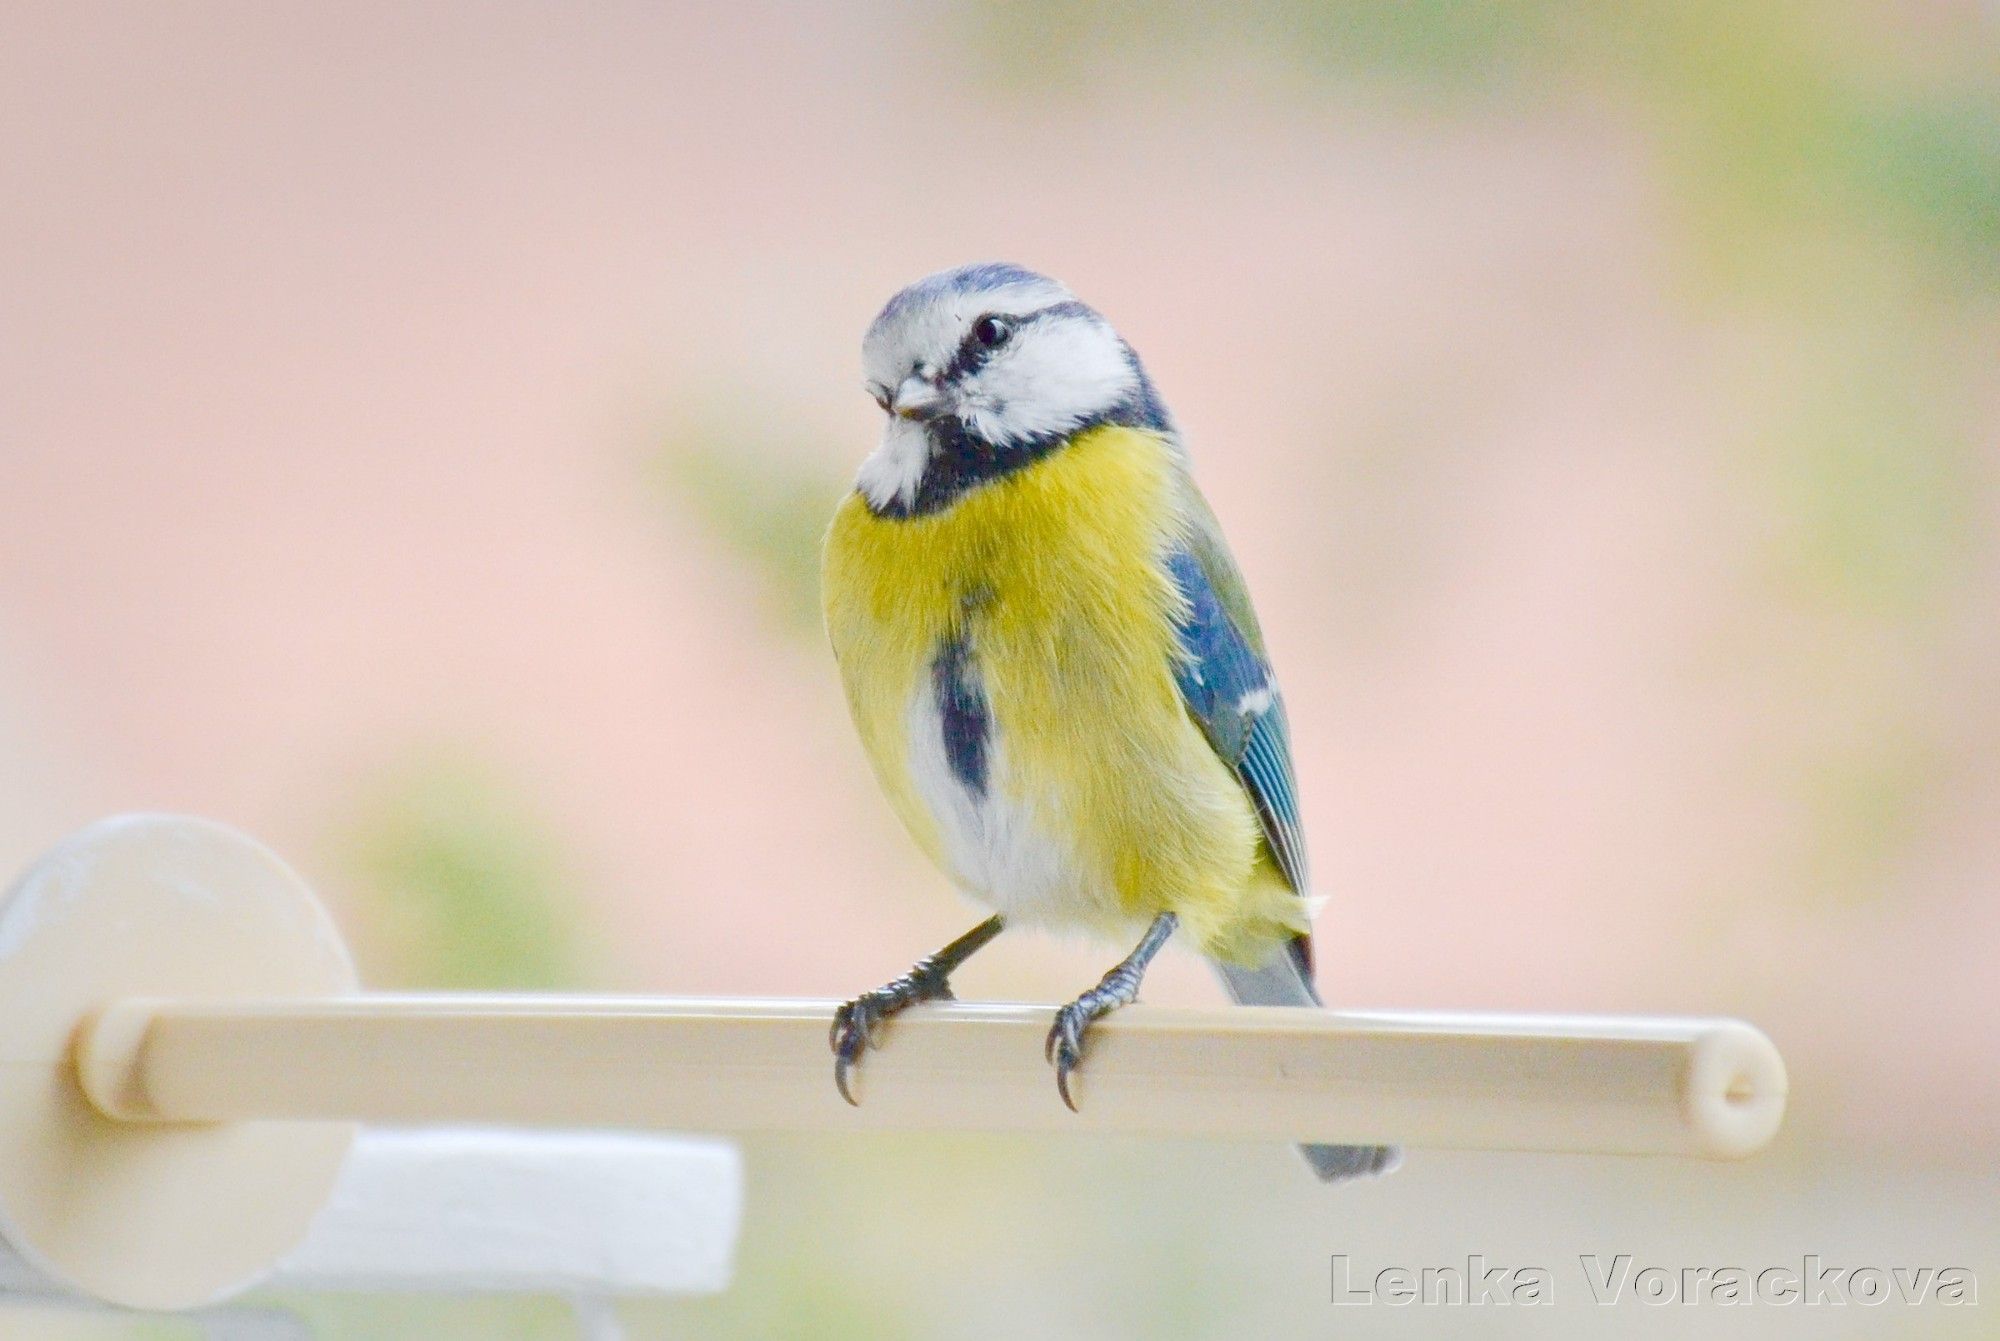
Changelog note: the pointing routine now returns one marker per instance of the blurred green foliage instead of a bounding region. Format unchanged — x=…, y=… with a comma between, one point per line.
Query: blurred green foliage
x=1868, y=805
x=1878, y=485
x=463, y=882
x=1779, y=116
x=763, y=498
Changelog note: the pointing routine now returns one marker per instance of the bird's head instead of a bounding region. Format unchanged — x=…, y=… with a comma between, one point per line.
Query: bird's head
x=982, y=369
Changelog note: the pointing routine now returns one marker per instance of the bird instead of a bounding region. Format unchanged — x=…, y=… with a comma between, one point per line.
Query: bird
x=1053, y=664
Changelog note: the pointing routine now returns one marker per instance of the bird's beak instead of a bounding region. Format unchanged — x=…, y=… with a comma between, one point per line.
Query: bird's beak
x=917, y=399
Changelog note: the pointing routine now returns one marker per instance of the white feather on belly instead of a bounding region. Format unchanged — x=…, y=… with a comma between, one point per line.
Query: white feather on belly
x=998, y=849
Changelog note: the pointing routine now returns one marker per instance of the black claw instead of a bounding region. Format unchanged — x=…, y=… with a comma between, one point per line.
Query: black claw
x=856, y=1023
x=853, y=1025
x=1064, y=1048
x=1066, y=1062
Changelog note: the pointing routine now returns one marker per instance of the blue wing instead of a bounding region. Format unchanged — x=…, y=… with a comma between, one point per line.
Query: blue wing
x=1232, y=695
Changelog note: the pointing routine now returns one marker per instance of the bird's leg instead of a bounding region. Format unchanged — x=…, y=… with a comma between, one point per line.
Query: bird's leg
x=855, y=1023
x=1120, y=987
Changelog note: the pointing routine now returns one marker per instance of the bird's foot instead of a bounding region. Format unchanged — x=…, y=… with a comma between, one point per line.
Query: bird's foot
x=855, y=1024
x=1120, y=987
x=1065, y=1046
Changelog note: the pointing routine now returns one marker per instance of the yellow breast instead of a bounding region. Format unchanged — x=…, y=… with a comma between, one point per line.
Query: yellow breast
x=1052, y=576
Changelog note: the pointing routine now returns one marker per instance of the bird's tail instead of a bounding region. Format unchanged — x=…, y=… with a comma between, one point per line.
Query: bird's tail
x=1282, y=980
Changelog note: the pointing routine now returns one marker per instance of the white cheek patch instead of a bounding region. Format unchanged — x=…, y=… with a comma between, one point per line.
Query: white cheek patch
x=1059, y=372
x=930, y=331
x=895, y=468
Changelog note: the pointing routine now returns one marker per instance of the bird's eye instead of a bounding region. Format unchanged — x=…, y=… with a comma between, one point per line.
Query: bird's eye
x=991, y=330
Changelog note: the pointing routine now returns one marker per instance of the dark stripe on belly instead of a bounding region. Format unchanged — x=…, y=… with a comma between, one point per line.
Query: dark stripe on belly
x=961, y=707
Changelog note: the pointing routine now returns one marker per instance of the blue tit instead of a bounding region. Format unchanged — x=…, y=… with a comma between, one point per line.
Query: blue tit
x=1053, y=663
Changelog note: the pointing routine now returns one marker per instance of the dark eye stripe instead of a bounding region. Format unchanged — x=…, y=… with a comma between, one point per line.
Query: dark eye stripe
x=971, y=355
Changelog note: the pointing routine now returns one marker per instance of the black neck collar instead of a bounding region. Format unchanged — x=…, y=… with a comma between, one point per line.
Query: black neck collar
x=960, y=461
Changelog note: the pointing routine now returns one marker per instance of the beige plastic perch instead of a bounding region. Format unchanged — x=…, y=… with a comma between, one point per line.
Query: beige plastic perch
x=188, y=1048
x=1487, y=1082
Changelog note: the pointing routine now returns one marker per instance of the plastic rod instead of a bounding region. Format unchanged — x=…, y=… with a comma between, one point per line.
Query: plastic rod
x=1702, y=1087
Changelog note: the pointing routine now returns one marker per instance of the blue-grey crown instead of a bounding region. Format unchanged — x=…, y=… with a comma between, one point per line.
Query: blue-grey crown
x=975, y=278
